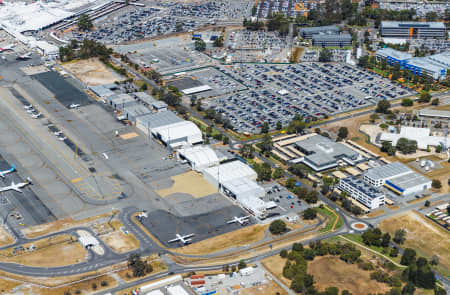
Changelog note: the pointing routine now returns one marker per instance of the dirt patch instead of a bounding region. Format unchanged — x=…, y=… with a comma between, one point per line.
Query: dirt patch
x=5, y=237
x=331, y=271
x=86, y=287
x=7, y=285
x=244, y=236
x=423, y=235
x=375, y=213
x=267, y=289
x=92, y=72
x=191, y=183
x=120, y=242
x=129, y=135
x=274, y=265
x=59, y=225
x=49, y=252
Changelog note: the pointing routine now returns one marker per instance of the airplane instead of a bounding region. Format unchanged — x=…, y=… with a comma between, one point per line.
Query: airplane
x=57, y=132
x=16, y=187
x=241, y=220
x=30, y=106
x=7, y=48
x=183, y=239
x=62, y=138
x=30, y=110
x=74, y=106
x=25, y=56
x=3, y=173
x=36, y=116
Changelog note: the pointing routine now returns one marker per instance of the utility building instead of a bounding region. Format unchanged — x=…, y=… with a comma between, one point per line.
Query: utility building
x=369, y=196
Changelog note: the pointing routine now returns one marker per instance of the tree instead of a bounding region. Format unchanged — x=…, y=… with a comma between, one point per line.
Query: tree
x=408, y=289
x=309, y=214
x=436, y=183
x=394, y=252
x=400, y=236
x=283, y=253
x=144, y=87
x=424, y=97
x=218, y=42
x=385, y=240
x=332, y=291
x=325, y=55
x=278, y=173
x=277, y=227
x=434, y=260
x=265, y=127
x=247, y=151
x=407, y=102
x=383, y=106
x=435, y=102
x=84, y=22
x=427, y=203
x=242, y=264
x=200, y=45
x=279, y=125
x=343, y=132
x=409, y=256
x=226, y=140
x=136, y=264
x=387, y=147
x=266, y=144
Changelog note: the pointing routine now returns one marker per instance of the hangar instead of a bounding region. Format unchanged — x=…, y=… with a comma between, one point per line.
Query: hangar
x=178, y=134
x=199, y=156
x=229, y=171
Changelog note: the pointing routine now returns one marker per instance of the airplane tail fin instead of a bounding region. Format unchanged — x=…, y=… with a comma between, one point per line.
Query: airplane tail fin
x=29, y=180
x=13, y=168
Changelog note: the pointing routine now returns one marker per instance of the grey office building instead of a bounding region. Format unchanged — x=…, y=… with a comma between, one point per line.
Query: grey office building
x=419, y=30
x=332, y=40
x=307, y=33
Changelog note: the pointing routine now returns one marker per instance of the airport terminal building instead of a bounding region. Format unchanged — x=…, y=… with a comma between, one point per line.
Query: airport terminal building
x=321, y=153
x=417, y=30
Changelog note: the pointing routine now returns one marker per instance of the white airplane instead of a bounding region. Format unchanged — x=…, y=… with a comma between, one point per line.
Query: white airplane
x=25, y=56
x=74, y=106
x=183, y=239
x=36, y=116
x=7, y=48
x=16, y=187
x=62, y=138
x=31, y=110
x=30, y=106
x=241, y=220
x=57, y=132
x=3, y=173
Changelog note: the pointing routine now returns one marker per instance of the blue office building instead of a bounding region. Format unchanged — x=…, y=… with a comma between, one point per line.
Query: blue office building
x=393, y=56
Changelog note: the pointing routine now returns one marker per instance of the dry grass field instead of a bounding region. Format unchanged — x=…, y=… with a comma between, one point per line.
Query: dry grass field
x=274, y=264
x=7, y=285
x=5, y=237
x=423, y=235
x=330, y=271
x=191, y=183
x=58, y=251
x=90, y=286
x=92, y=71
x=244, y=236
x=270, y=288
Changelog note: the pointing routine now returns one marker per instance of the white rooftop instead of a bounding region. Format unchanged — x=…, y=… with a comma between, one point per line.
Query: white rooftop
x=231, y=170
x=200, y=156
x=196, y=89
x=421, y=135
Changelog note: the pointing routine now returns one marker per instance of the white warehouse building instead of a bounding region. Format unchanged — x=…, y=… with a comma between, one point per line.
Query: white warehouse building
x=199, y=157
x=398, y=178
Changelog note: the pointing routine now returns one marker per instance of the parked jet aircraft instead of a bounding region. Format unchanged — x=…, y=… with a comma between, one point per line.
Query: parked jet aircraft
x=7, y=48
x=3, y=173
x=25, y=56
x=241, y=220
x=36, y=116
x=182, y=239
x=30, y=106
x=16, y=187
x=74, y=106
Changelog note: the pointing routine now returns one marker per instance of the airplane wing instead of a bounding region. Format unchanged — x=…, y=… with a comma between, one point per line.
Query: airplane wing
x=188, y=236
x=174, y=240
x=2, y=175
x=16, y=189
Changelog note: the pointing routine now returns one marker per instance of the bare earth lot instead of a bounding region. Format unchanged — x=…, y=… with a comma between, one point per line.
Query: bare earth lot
x=423, y=236
x=120, y=242
x=191, y=183
x=92, y=72
x=330, y=271
x=244, y=236
x=5, y=237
